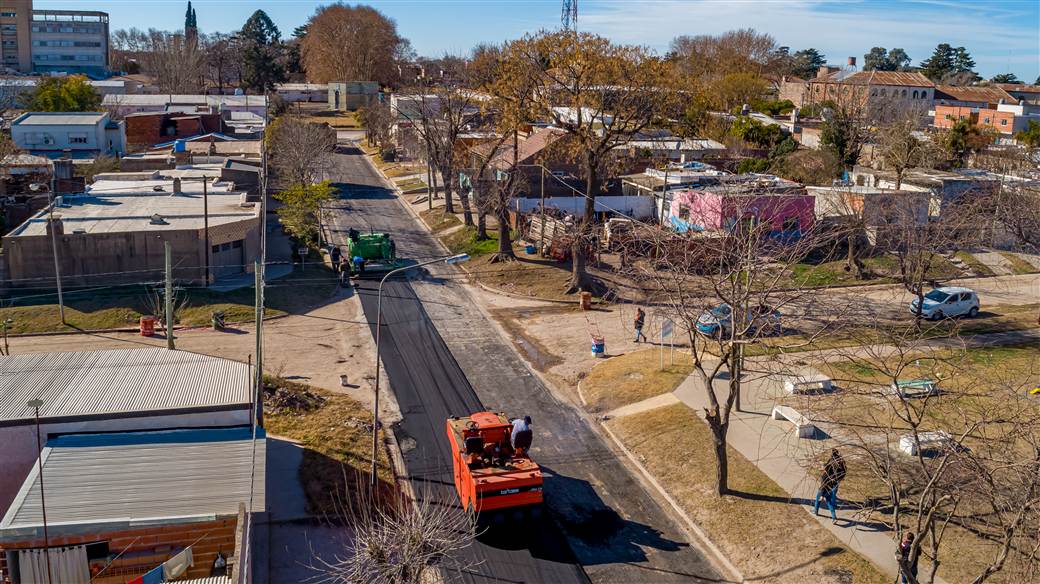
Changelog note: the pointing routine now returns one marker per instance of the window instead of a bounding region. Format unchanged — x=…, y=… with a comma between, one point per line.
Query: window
x=684, y=212
x=873, y=92
x=216, y=249
x=883, y=92
x=77, y=138
x=984, y=120
x=915, y=94
x=236, y=244
x=904, y=93
x=8, y=14
x=1003, y=122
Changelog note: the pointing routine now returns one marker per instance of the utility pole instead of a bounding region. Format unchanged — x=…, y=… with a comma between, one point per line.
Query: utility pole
x=259, y=316
x=35, y=404
x=169, y=296
x=205, y=222
x=57, y=265
x=541, y=240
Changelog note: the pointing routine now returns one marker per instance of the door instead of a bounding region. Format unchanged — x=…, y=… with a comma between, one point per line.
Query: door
x=227, y=259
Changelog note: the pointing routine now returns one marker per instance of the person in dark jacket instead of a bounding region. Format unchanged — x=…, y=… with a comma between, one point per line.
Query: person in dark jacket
x=907, y=560
x=833, y=474
x=639, y=322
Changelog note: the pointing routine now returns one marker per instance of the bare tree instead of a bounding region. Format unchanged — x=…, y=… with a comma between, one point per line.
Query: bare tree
x=729, y=290
x=942, y=450
x=300, y=150
x=376, y=119
x=350, y=43
x=176, y=63
x=223, y=60
x=440, y=115
x=602, y=95
x=902, y=146
x=398, y=540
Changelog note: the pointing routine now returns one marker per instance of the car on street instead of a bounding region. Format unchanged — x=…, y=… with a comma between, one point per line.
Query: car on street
x=717, y=321
x=947, y=302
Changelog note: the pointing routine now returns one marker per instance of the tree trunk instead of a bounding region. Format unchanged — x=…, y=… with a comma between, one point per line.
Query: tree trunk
x=449, y=205
x=718, y=432
x=505, y=241
x=482, y=233
x=852, y=262
x=467, y=211
x=579, y=277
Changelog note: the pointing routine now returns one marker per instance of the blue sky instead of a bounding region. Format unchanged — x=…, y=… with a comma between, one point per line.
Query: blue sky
x=1002, y=35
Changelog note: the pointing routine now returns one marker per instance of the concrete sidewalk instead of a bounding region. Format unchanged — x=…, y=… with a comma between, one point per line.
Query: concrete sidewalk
x=777, y=451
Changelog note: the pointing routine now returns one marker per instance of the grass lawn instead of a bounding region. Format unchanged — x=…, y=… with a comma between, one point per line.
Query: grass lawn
x=410, y=184
x=528, y=276
x=465, y=241
x=883, y=270
x=998, y=318
x=767, y=537
x=438, y=220
x=123, y=306
x=976, y=266
x=335, y=431
x=1018, y=265
x=980, y=380
x=633, y=377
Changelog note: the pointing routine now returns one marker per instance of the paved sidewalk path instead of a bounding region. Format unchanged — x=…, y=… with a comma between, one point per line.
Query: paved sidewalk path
x=776, y=450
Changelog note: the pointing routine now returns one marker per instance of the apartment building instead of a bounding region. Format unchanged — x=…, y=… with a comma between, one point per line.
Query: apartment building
x=60, y=41
x=15, y=44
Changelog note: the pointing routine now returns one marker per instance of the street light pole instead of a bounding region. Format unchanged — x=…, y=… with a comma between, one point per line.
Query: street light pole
x=35, y=404
x=452, y=259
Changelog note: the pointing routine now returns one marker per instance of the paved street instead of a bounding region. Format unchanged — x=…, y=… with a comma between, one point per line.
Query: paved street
x=442, y=357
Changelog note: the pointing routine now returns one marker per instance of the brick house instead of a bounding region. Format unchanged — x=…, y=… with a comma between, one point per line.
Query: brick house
x=875, y=90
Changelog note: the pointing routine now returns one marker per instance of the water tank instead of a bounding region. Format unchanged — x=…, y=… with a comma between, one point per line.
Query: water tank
x=179, y=146
x=852, y=61
x=238, y=91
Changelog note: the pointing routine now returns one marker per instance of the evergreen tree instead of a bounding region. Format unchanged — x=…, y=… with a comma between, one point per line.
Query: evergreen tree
x=187, y=18
x=1006, y=78
x=261, y=51
x=962, y=61
x=940, y=64
x=876, y=60
x=899, y=60
x=807, y=62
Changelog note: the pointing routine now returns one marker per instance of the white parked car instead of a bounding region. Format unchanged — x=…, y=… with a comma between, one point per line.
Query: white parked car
x=947, y=302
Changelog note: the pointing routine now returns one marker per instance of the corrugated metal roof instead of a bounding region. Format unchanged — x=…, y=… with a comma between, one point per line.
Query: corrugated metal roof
x=141, y=477
x=901, y=78
x=987, y=94
x=118, y=381
x=136, y=99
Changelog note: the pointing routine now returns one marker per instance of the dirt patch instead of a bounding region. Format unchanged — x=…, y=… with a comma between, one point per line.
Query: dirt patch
x=336, y=433
x=768, y=537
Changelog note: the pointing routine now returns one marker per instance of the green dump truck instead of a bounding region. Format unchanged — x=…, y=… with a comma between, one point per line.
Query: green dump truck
x=370, y=253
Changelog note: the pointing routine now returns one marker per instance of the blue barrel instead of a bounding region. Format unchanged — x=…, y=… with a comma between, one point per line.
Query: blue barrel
x=598, y=346
x=178, y=146
x=530, y=249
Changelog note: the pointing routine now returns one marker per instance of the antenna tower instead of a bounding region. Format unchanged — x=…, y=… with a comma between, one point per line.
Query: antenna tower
x=569, y=16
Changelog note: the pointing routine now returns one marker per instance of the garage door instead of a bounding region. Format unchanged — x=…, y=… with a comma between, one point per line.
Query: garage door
x=227, y=259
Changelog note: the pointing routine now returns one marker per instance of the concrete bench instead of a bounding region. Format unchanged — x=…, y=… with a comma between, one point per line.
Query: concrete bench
x=915, y=388
x=927, y=441
x=806, y=429
x=808, y=384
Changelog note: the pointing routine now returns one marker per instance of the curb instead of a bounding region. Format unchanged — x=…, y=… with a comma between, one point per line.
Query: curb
x=131, y=329
x=705, y=541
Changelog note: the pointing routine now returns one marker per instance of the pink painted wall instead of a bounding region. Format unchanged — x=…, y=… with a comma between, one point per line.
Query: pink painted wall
x=714, y=211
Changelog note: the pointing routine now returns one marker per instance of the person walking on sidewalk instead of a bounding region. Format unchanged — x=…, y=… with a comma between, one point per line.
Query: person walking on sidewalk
x=907, y=560
x=639, y=322
x=833, y=474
